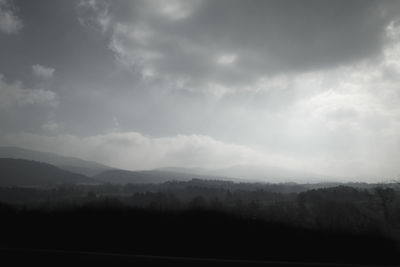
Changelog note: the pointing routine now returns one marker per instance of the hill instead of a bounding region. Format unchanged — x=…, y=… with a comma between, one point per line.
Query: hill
x=19, y=172
x=85, y=167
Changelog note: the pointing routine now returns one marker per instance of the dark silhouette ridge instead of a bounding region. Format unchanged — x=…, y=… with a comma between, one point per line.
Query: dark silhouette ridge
x=84, y=167
x=19, y=172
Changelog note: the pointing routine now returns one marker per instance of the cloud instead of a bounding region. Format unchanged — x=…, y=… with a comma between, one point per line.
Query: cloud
x=197, y=41
x=226, y=59
x=51, y=127
x=10, y=23
x=353, y=123
x=173, y=9
x=24, y=108
x=14, y=95
x=42, y=71
x=95, y=13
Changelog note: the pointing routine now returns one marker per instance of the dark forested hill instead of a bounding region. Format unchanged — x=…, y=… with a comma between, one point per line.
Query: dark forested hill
x=19, y=172
x=76, y=165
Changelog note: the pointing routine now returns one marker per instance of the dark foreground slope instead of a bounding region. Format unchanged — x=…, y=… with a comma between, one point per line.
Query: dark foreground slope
x=19, y=172
x=200, y=223
x=110, y=231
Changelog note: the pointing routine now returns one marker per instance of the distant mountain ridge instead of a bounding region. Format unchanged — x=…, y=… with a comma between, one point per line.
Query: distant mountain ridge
x=236, y=173
x=271, y=174
x=20, y=172
x=85, y=167
x=151, y=176
x=254, y=173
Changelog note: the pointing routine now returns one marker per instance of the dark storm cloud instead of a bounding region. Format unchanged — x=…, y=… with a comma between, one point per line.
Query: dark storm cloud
x=277, y=36
x=185, y=40
x=52, y=42
x=52, y=36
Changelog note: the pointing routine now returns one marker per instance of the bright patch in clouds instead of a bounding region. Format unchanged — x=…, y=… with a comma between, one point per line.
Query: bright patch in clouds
x=42, y=71
x=15, y=95
x=226, y=59
x=10, y=23
x=174, y=9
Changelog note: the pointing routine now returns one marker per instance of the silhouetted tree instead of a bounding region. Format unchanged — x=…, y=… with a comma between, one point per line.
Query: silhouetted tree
x=385, y=197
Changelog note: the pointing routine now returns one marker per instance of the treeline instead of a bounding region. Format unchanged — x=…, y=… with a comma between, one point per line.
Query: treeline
x=216, y=219
x=344, y=208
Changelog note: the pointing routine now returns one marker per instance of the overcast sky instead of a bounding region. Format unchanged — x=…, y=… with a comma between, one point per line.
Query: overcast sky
x=308, y=85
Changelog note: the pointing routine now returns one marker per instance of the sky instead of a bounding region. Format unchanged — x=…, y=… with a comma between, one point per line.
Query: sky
x=311, y=85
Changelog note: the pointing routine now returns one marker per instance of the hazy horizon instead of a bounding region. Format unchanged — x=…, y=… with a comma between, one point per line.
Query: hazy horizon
x=308, y=85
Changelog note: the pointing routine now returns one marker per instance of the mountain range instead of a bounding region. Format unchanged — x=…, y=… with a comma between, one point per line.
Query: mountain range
x=84, y=171
x=21, y=172
x=85, y=167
